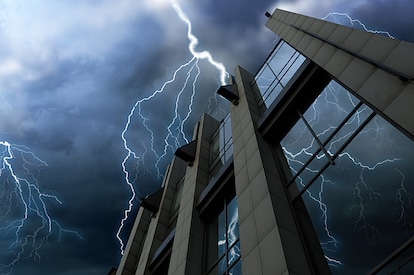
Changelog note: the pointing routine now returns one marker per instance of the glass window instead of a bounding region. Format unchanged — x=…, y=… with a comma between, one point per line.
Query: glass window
x=221, y=146
x=278, y=69
x=222, y=241
x=177, y=195
x=176, y=204
x=361, y=207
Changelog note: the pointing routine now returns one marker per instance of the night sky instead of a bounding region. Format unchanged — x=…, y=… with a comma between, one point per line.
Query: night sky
x=70, y=74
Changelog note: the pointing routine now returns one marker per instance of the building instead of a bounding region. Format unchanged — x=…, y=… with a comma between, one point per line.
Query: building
x=311, y=172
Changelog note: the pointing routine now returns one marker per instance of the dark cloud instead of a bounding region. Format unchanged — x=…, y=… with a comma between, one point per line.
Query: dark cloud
x=69, y=76
x=392, y=16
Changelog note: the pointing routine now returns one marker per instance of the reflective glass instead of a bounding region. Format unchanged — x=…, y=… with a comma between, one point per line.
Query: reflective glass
x=334, y=116
x=281, y=58
x=223, y=246
x=236, y=269
x=308, y=174
x=234, y=254
x=232, y=222
x=221, y=266
x=214, y=148
x=212, y=239
x=177, y=196
x=213, y=271
x=277, y=71
x=221, y=242
x=408, y=268
x=221, y=146
x=403, y=262
x=362, y=207
x=298, y=146
x=330, y=108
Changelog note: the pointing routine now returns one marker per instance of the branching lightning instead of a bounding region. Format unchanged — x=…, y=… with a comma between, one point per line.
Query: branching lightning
x=403, y=201
x=175, y=130
x=365, y=193
x=352, y=21
x=25, y=221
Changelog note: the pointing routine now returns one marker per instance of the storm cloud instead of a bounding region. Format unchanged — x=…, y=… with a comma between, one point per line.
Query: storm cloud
x=70, y=73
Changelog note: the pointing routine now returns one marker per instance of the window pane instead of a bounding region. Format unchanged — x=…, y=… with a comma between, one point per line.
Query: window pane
x=223, y=247
x=334, y=116
x=221, y=266
x=234, y=254
x=407, y=268
x=281, y=58
x=177, y=196
x=298, y=146
x=221, y=242
x=277, y=71
x=232, y=222
x=221, y=147
x=214, y=271
x=211, y=243
x=331, y=108
x=362, y=207
x=236, y=269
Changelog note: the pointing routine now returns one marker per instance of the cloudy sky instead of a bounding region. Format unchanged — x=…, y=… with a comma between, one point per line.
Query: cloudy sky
x=71, y=72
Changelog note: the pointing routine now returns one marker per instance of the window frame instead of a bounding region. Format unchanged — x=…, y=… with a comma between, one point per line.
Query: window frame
x=226, y=200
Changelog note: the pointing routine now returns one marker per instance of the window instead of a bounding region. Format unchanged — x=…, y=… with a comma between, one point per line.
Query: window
x=221, y=146
x=177, y=196
x=222, y=255
x=176, y=203
x=276, y=72
x=359, y=192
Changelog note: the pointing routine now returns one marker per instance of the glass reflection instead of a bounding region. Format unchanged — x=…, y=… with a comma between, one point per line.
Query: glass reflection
x=361, y=207
x=221, y=148
x=232, y=222
x=277, y=71
x=223, y=246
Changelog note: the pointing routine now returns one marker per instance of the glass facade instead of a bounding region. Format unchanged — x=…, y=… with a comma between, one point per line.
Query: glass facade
x=401, y=262
x=176, y=203
x=222, y=241
x=361, y=204
x=221, y=146
x=276, y=72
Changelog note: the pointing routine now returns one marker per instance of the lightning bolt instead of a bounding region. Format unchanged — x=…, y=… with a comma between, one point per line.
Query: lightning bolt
x=134, y=159
x=403, y=201
x=365, y=194
x=25, y=221
x=352, y=21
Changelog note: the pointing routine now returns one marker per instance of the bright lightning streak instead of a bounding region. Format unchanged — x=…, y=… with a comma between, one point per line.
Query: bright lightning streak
x=357, y=21
x=175, y=130
x=194, y=42
x=403, y=199
x=300, y=147
x=24, y=217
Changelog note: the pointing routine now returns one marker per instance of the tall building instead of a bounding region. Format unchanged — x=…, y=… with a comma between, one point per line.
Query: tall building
x=310, y=173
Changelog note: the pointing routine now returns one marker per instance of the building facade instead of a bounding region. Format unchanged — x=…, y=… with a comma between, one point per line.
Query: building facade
x=310, y=173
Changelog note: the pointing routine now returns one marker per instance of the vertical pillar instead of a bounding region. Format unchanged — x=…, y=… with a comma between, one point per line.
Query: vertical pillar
x=187, y=252
x=270, y=238
x=157, y=230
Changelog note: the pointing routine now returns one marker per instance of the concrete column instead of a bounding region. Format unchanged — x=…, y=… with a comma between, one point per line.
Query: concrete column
x=270, y=238
x=187, y=251
x=135, y=242
x=157, y=230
